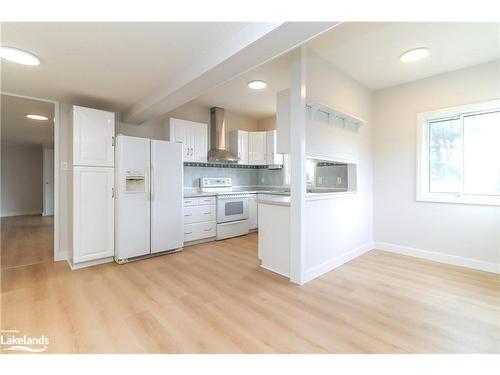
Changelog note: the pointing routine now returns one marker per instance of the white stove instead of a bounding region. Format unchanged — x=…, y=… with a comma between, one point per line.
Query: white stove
x=215, y=184
x=232, y=207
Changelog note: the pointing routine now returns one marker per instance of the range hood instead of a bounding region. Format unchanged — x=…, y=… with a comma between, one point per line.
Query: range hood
x=218, y=152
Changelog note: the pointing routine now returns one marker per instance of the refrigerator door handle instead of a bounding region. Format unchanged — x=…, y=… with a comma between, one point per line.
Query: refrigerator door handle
x=152, y=181
x=148, y=181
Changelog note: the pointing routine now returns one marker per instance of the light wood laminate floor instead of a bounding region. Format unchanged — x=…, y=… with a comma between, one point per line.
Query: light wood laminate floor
x=26, y=240
x=214, y=298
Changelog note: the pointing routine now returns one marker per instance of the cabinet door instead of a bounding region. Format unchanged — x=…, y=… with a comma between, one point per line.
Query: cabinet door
x=257, y=148
x=252, y=212
x=93, y=137
x=199, y=142
x=93, y=213
x=273, y=158
x=242, y=147
x=178, y=133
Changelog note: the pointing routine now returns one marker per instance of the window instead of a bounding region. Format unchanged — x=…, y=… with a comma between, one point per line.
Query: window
x=459, y=155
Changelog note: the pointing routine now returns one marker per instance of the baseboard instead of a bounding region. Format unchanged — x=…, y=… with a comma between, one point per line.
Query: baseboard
x=279, y=273
x=439, y=257
x=77, y=266
x=21, y=213
x=61, y=256
x=336, y=262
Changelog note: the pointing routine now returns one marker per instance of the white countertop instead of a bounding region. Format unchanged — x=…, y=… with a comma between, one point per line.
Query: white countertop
x=278, y=200
x=194, y=192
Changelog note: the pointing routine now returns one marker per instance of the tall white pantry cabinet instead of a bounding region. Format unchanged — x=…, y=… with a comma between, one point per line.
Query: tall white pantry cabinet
x=93, y=186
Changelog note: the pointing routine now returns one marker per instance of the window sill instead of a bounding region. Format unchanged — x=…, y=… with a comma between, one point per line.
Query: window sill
x=480, y=201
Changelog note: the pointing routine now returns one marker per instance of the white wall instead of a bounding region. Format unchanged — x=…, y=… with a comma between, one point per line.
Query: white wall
x=65, y=149
x=268, y=123
x=338, y=229
x=454, y=230
x=149, y=129
x=22, y=185
x=159, y=128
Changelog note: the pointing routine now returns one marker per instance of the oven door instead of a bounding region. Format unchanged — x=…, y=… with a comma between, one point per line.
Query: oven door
x=231, y=209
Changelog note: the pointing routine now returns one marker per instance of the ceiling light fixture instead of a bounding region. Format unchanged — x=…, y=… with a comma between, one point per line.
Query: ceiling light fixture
x=257, y=85
x=414, y=54
x=18, y=56
x=37, y=117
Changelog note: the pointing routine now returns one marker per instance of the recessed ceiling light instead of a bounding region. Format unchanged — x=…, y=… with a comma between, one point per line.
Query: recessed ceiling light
x=414, y=54
x=18, y=56
x=257, y=85
x=37, y=117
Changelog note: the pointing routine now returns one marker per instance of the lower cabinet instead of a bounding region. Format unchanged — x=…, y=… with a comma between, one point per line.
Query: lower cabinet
x=93, y=213
x=200, y=220
x=199, y=231
x=252, y=212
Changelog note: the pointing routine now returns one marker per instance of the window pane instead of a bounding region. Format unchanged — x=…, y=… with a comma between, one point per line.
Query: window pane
x=482, y=154
x=445, y=154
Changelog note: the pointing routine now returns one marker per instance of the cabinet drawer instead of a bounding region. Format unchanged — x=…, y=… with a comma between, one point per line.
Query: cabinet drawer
x=198, y=231
x=196, y=214
x=198, y=201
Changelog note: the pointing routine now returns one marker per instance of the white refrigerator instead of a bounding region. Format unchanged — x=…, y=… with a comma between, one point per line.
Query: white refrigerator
x=149, y=196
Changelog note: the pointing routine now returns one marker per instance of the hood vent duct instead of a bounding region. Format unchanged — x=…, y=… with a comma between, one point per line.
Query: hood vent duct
x=218, y=152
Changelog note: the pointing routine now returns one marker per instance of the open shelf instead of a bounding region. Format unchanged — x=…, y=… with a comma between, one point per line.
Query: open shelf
x=335, y=117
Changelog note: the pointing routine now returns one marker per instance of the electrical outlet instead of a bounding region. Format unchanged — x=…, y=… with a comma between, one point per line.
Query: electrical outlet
x=320, y=180
x=339, y=180
x=262, y=180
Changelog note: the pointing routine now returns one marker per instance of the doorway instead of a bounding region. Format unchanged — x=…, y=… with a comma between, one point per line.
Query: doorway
x=27, y=181
x=48, y=181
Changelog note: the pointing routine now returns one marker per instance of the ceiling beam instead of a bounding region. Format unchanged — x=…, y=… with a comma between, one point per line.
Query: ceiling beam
x=255, y=44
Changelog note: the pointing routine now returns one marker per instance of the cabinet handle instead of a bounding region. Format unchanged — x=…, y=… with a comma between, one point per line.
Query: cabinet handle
x=113, y=141
x=207, y=230
x=112, y=192
x=208, y=213
x=188, y=232
x=188, y=215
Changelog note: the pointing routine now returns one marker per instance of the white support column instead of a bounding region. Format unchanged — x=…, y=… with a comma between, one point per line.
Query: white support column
x=297, y=165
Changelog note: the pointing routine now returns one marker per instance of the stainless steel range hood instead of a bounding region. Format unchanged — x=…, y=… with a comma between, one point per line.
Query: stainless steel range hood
x=218, y=152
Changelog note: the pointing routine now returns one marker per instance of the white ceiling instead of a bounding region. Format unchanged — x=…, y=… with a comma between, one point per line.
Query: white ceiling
x=237, y=97
x=116, y=65
x=16, y=128
x=106, y=65
x=369, y=52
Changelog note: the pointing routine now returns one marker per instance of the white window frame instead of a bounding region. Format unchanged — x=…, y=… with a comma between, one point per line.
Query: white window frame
x=423, y=186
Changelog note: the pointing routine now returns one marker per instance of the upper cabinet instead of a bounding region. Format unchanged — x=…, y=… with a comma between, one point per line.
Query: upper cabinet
x=283, y=122
x=93, y=137
x=272, y=156
x=238, y=145
x=193, y=136
x=257, y=148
